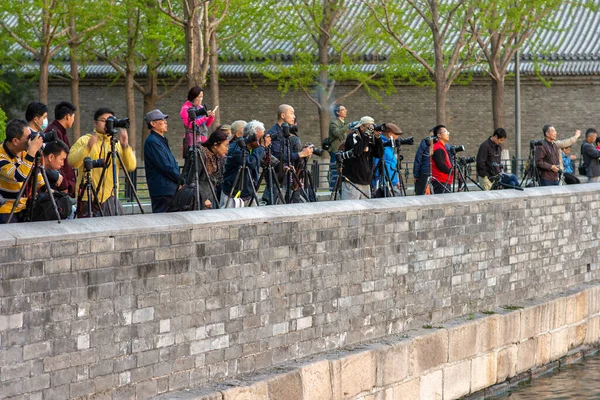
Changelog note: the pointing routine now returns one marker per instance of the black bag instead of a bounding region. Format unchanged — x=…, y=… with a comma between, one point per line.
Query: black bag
x=44, y=211
x=581, y=170
x=184, y=199
x=326, y=145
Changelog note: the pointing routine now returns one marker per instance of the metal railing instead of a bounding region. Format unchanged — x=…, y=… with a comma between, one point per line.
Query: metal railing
x=320, y=173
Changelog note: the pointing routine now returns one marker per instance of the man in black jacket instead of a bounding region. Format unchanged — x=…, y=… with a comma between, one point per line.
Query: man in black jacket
x=591, y=156
x=547, y=158
x=361, y=146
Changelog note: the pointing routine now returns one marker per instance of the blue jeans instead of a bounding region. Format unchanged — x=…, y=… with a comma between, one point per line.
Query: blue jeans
x=548, y=182
x=510, y=179
x=333, y=170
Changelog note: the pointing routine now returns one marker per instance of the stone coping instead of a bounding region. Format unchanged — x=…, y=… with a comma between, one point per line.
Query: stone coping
x=25, y=233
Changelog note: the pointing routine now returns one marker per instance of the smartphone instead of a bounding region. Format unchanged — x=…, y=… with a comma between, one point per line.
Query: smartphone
x=215, y=110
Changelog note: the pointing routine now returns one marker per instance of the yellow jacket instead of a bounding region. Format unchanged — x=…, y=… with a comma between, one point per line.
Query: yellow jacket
x=101, y=149
x=14, y=169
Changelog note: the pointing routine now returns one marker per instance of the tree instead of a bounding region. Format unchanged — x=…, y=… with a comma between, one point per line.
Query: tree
x=501, y=27
x=435, y=33
x=36, y=26
x=319, y=34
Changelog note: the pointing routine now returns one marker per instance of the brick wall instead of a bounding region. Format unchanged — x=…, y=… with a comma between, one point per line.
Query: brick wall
x=135, y=306
x=569, y=103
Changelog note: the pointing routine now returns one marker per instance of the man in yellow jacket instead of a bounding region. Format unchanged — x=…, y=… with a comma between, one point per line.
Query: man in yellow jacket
x=96, y=145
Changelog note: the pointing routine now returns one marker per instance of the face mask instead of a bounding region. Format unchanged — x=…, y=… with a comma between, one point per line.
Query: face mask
x=45, y=123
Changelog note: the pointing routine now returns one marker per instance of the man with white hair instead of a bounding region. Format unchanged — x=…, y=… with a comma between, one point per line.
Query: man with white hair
x=362, y=145
x=243, y=162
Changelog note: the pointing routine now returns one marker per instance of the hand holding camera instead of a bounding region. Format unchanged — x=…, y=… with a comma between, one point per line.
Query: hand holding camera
x=34, y=144
x=123, y=138
x=306, y=152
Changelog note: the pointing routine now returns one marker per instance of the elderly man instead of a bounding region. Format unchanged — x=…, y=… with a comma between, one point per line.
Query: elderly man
x=361, y=146
x=162, y=170
x=590, y=156
x=237, y=130
x=337, y=134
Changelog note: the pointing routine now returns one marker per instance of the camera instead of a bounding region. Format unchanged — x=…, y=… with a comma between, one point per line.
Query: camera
x=456, y=149
x=319, y=152
x=89, y=164
x=288, y=129
x=533, y=143
x=343, y=155
x=429, y=140
x=466, y=160
x=380, y=128
x=112, y=123
x=409, y=141
x=47, y=137
x=194, y=113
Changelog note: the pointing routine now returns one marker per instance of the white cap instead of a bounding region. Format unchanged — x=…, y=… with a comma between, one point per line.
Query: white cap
x=367, y=121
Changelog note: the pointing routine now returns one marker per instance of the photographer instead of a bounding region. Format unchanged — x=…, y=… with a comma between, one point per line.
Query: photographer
x=441, y=165
x=64, y=117
x=253, y=146
x=361, y=146
x=98, y=145
x=390, y=162
x=162, y=170
x=55, y=153
x=489, y=161
x=422, y=164
x=213, y=153
x=337, y=134
x=547, y=158
x=204, y=118
x=591, y=156
x=17, y=156
x=285, y=115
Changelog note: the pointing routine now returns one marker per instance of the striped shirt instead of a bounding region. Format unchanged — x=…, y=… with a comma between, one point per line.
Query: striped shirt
x=13, y=173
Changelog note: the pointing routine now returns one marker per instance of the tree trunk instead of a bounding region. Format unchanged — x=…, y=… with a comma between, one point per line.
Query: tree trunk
x=214, y=75
x=130, y=100
x=76, y=128
x=43, y=89
x=498, y=102
x=150, y=99
x=323, y=88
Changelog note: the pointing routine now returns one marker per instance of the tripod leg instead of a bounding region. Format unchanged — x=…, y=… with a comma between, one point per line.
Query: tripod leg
x=130, y=183
x=54, y=206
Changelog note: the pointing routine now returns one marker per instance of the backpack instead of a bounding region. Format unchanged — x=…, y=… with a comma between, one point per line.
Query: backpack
x=44, y=211
x=184, y=199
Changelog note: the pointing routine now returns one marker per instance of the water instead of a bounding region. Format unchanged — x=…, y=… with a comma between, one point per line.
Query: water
x=580, y=380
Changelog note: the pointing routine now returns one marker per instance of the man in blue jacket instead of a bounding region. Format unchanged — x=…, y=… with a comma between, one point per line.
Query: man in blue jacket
x=422, y=164
x=162, y=170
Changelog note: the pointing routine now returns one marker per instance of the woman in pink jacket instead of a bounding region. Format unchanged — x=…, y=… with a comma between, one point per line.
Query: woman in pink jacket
x=203, y=117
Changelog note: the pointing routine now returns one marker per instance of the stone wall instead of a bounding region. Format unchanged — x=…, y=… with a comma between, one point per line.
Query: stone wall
x=467, y=356
x=135, y=306
x=568, y=102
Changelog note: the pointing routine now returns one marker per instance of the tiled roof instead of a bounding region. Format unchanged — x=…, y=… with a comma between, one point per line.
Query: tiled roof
x=570, y=47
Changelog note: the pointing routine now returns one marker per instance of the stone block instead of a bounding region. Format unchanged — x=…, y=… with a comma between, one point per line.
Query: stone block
x=431, y=386
x=143, y=315
x=509, y=326
x=464, y=340
x=286, y=387
x=410, y=390
x=507, y=363
x=258, y=391
x=353, y=374
x=36, y=350
x=577, y=335
x=543, y=349
x=526, y=352
x=316, y=380
x=592, y=333
x=12, y=321
x=577, y=307
x=483, y=371
x=457, y=379
x=535, y=320
x=560, y=343
x=558, y=308
x=428, y=351
x=594, y=300
x=392, y=364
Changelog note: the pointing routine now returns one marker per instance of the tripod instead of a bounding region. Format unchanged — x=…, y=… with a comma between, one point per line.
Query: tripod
x=531, y=177
x=459, y=171
x=31, y=186
x=238, y=182
x=337, y=188
x=197, y=156
x=87, y=188
x=307, y=181
x=110, y=160
x=270, y=176
x=291, y=176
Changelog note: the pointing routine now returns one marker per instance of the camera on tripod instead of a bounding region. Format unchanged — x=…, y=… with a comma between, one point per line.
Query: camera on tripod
x=112, y=123
x=319, y=152
x=466, y=160
x=533, y=143
x=89, y=164
x=456, y=149
x=429, y=140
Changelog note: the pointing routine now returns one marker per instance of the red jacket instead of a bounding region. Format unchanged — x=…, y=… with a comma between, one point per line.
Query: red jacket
x=66, y=171
x=442, y=173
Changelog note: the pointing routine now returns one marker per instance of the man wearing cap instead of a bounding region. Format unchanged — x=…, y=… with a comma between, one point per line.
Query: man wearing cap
x=390, y=134
x=162, y=170
x=361, y=146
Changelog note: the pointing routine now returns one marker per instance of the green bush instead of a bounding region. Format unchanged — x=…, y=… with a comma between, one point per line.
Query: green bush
x=2, y=125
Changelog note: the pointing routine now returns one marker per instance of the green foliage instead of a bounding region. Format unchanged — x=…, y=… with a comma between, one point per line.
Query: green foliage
x=2, y=125
x=15, y=93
